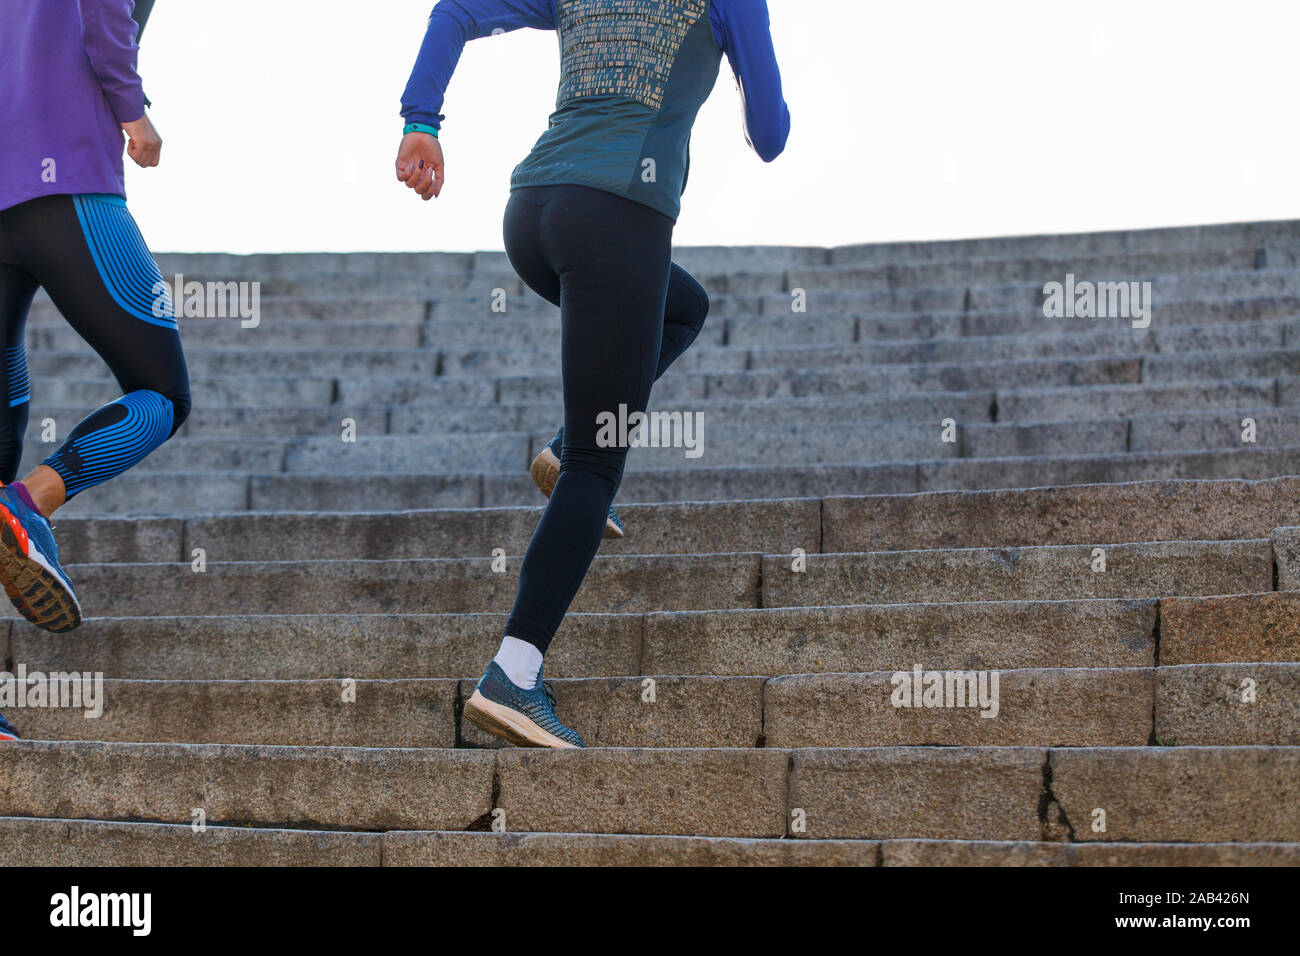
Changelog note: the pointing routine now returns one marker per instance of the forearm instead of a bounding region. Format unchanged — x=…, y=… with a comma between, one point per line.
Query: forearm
x=452, y=24
x=747, y=40
x=109, y=35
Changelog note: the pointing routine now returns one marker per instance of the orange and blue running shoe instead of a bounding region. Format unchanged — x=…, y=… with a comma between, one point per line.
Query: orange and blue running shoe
x=29, y=567
x=7, y=731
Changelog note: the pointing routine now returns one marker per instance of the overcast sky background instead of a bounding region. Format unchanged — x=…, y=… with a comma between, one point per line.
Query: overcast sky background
x=914, y=119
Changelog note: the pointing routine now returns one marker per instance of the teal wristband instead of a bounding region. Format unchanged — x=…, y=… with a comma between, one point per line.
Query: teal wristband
x=420, y=128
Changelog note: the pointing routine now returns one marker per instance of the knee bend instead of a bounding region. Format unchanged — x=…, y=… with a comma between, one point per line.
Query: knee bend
x=163, y=399
x=703, y=310
x=605, y=463
x=697, y=309
x=180, y=408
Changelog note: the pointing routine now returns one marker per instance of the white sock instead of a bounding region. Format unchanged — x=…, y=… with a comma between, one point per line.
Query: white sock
x=521, y=661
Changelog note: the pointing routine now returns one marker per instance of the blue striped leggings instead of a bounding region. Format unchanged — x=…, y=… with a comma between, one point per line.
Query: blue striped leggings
x=89, y=256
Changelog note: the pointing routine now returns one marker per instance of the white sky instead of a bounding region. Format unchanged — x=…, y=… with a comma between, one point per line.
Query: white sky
x=913, y=119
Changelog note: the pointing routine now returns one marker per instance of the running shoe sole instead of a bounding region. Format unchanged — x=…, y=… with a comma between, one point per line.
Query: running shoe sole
x=546, y=472
x=510, y=725
x=36, y=590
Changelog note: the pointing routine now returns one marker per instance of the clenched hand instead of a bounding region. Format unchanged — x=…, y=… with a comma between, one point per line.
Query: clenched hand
x=419, y=164
x=143, y=145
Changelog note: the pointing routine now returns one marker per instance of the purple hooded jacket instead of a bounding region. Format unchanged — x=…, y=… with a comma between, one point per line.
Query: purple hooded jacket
x=67, y=80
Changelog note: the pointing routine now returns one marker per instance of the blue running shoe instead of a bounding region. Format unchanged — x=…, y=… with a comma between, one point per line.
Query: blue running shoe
x=546, y=472
x=7, y=731
x=29, y=567
x=525, y=718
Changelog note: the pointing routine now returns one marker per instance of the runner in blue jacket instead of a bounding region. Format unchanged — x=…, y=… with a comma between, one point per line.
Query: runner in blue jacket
x=589, y=227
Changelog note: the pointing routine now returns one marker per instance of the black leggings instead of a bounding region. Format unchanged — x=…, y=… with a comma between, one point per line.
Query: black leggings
x=627, y=312
x=89, y=256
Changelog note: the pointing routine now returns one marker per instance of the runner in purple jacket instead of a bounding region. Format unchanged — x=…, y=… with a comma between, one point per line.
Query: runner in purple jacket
x=68, y=92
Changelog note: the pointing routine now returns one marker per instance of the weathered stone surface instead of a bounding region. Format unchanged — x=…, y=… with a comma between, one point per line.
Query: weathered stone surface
x=682, y=792
x=1203, y=365
x=299, y=787
x=973, y=853
x=339, y=493
x=572, y=849
x=1239, y=627
x=891, y=637
x=1185, y=854
x=331, y=713
x=1064, y=707
x=856, y=379
x=1226, y=429
x=80, y=843
x=159, y=493
x=1079, y=514
x=619, y=584
x=1046, y=438
x=918, y=792
x=307, y=646
x=86, y=540
x=659, y=529
x=1059, y=572
x=962, y=474
x=1115, y=401
x=1178, y=794
x=989, y=853
x=1226, y=704
x=405, y=454
x=1286, y=548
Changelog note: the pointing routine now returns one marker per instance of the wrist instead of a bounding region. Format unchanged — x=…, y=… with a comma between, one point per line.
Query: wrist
x=420, y=128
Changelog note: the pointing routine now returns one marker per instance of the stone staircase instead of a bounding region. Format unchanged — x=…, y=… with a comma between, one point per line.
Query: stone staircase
x=289, y=628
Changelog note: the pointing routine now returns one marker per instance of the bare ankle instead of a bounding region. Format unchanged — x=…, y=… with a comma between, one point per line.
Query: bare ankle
x=47, y=490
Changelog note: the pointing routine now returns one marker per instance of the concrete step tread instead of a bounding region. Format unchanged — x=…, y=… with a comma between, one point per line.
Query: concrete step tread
x=1079, y=514
x=164, y=493
x=49, y=841
x=1150, y=794
x=1262, y=627
x=1011, y=405
x=713, y=444
x=632, y=582
x=737, y=642
x=1190, y=543
x=1180, y=704
x=936, y=471
x=1008, y=366
x=287, y=342
x=735, y=431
